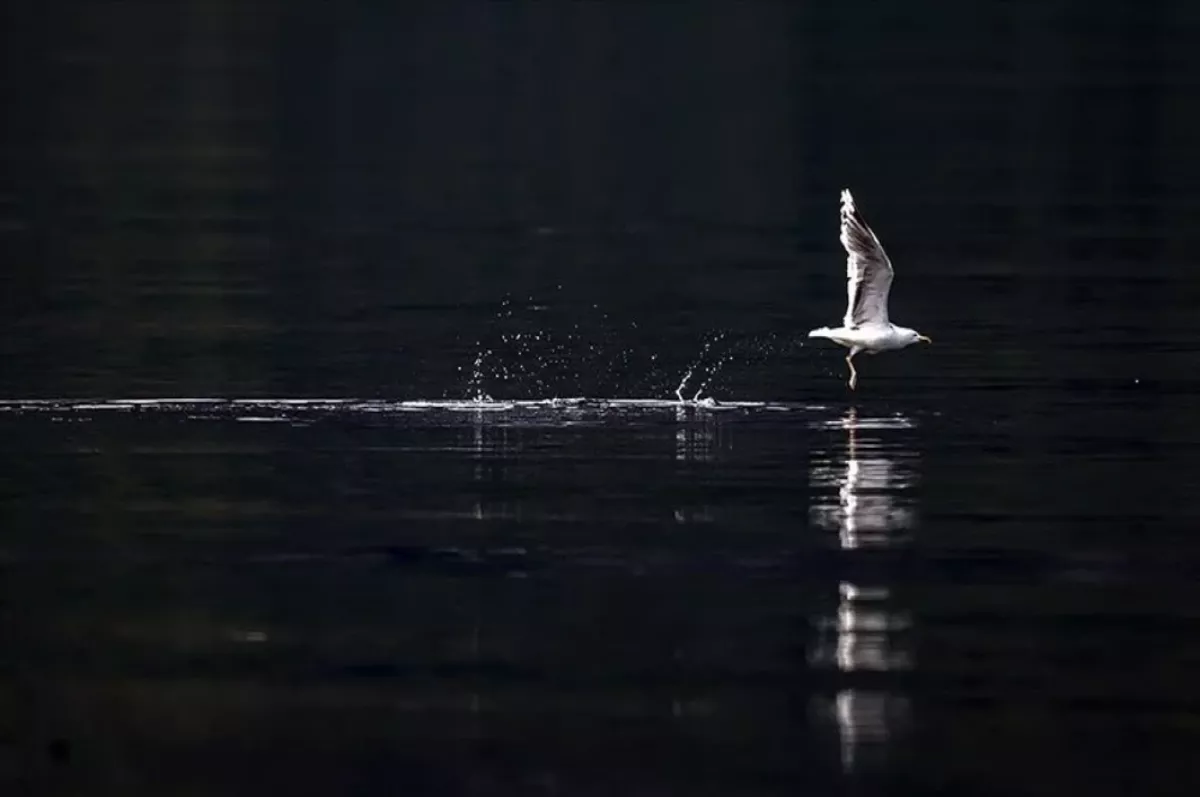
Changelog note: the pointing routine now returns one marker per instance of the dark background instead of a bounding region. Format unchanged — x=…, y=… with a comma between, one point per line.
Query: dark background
x=444, y=200
x=312, y=198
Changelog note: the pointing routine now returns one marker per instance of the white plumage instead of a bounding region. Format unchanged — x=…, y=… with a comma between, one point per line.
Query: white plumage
x=865, y=327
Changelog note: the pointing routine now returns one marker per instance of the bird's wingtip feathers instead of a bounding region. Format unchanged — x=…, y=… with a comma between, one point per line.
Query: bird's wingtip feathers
x=847, y=198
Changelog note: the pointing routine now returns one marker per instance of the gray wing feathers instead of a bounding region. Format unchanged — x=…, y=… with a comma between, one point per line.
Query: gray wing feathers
x=868, y=270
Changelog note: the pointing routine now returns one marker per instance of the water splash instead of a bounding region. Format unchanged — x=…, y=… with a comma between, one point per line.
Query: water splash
x=544, y=349
x=287, y=410
x=475, y=383
x=743, y=351
x=696, y=364
x=535, y=348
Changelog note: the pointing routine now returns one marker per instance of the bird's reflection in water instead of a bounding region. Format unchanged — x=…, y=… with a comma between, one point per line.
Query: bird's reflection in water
x=862, y=484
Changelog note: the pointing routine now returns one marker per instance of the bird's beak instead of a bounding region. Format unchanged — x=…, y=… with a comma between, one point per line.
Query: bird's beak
x=923, y=339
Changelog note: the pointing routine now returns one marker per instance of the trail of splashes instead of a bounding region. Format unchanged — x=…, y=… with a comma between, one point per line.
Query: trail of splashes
x=523, y=357
x=475, y=383
x=696, y=364
x=747, y=351
x=716, y=369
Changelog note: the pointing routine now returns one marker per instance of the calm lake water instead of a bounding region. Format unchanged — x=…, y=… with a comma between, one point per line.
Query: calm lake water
x=295, y=498
x=980, y=567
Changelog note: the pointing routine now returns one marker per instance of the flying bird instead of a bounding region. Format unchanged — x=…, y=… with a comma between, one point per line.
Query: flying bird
x=865, y=326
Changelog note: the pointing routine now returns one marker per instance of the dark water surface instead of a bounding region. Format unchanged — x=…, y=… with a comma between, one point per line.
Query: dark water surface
x=942, y=592
x=294, y=499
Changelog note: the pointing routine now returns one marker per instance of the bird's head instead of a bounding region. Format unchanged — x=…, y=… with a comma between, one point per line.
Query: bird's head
x=912, y=336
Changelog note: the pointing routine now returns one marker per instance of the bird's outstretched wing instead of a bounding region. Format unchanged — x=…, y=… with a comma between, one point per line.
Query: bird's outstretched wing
x=868, y=270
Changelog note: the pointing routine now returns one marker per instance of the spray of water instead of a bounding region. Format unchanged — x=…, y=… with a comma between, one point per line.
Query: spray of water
x=713, y=360
x=698, y=362
x=475, y=383
x=521, y=357
x=535, y=349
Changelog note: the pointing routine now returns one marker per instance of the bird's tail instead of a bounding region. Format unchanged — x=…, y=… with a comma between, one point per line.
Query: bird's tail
x=823, y=332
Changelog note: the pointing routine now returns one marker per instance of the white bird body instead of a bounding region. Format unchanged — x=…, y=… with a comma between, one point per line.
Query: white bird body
x=865, y=326
x=870, y=338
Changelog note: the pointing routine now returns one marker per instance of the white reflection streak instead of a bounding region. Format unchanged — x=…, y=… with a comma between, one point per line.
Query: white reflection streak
x=489, y=441
x=866, y=717
x=867, y=513
x=477, y=451
x=695, y=441
x=695, y=436
x=867, y=624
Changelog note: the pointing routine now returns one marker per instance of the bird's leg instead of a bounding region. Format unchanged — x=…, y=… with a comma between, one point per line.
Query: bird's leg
x=853, y=372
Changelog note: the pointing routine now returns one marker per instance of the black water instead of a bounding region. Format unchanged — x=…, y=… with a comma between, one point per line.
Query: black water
x=966, y=575
x=339, y=443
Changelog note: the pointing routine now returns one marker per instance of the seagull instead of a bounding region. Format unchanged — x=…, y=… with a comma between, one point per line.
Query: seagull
x=865, y=326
